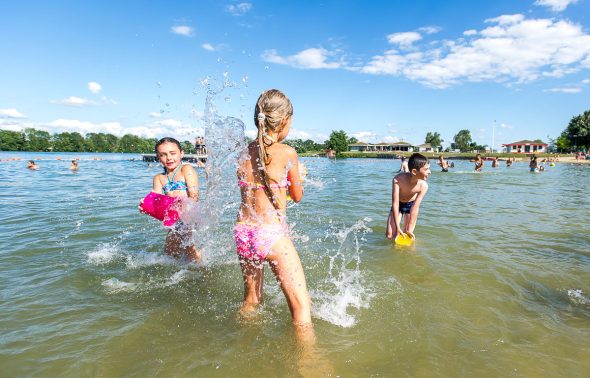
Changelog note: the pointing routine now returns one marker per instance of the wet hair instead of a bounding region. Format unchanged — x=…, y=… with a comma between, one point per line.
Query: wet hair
x=167, y=140
x=272, y=107
x=417, y=161
x=31, y=161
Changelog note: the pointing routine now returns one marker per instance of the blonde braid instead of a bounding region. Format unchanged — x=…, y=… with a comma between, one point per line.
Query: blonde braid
x=271, y=109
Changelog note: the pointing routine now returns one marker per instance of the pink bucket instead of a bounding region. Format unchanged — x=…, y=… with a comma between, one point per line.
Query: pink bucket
x=161, y=207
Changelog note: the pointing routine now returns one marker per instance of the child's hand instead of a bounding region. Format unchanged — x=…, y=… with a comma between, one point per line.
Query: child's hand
x=411, y=235
x=141, y=208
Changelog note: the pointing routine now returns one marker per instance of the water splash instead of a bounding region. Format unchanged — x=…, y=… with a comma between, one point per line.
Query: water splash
x=577, y=296
x=344, y=290
x=212, y=216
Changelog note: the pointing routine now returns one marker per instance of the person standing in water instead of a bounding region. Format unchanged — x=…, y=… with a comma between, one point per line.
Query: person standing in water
x=74, y=165
x=407, y=192
x=177, y=180
x=268, y=171
x=478, y=163
x=443, y=164
x=404, y=167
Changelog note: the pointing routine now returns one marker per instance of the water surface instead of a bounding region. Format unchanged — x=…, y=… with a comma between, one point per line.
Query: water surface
x=497, y=283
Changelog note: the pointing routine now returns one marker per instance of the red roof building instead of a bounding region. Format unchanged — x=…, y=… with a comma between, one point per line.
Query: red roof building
x=526, y=147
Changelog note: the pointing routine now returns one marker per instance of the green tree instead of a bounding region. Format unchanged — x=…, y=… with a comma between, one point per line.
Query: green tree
x=352, y=140
x=578, y=130
x=338, y=141
x=434, y=139
x=188, y=147
x=562, y=143
x=12, y=140
x=37, y=140
x=462, y=140
x=129, y=143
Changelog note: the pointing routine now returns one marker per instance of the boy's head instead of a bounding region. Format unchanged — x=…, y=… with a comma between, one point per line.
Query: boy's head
x=419, y=166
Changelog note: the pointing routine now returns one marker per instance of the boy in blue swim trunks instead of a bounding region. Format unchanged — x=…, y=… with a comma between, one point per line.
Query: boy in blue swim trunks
x=407, y=191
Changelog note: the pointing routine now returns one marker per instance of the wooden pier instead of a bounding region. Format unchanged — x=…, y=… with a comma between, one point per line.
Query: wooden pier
x=191, y=158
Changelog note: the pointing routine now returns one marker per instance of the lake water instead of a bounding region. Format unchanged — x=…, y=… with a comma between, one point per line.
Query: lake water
x=497, y=283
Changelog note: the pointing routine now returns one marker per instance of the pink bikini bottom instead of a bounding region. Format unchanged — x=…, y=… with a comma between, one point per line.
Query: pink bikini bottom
x=254, y=241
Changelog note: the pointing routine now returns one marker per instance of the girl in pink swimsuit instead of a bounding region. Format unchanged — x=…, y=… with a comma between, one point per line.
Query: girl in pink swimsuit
x=269, y=170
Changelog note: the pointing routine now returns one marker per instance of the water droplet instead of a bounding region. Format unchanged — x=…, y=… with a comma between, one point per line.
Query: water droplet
x=245, y=79
x=266, y=67
x=159, y=84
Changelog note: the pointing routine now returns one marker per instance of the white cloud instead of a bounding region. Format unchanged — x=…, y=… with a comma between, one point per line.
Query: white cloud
x=511, y=50
x=555, y=5
x=506, y=126
x=404, y=40
x=208, y=47
x=469, y=32
x=364, y=136
x=239, y=9
x=11, y=113
x=108, y=101
x=74, y=101
x=586, y=81
x=564, y=90
x=430, y=29
x=94, y=87
x=156, y=129
x=312, y=58
x=184, y=30
x=155, y=115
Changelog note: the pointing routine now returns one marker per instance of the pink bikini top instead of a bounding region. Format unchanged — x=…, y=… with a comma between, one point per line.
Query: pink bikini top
x=254, y=186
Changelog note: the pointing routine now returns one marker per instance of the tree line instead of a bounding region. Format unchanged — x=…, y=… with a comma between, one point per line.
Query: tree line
x=576, y=136
x=38, y=140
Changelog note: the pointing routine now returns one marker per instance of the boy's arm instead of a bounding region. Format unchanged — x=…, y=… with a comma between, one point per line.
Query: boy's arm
x=192, y=181
x=395, y=202
x=416, y=208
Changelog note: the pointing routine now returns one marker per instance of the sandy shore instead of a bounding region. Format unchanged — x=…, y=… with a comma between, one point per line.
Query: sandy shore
x=572, y=160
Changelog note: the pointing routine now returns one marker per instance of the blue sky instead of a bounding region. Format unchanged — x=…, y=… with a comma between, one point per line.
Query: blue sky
x=381, y=71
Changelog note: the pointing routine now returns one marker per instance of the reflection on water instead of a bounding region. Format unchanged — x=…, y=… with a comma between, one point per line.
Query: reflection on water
x=497, y=283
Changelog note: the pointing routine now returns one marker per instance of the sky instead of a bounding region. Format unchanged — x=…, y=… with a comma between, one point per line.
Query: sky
x=382, y=71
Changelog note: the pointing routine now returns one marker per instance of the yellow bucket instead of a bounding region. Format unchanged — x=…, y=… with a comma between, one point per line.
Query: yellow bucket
x=404, y=239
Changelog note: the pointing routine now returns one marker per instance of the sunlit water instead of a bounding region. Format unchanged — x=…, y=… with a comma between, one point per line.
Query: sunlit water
x=497, y=284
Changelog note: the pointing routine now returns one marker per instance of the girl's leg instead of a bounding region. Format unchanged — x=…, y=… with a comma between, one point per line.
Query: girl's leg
x=286, y=266
x=253, y=274
x=179, y=243
x=173, y=243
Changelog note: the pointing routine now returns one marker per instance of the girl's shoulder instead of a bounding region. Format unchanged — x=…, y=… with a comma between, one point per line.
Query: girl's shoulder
x=187, y=168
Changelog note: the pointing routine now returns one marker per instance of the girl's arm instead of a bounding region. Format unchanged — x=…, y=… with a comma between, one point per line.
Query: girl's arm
x=294, y=178
x=192, y=181
x=416, y=208
x=157, y=185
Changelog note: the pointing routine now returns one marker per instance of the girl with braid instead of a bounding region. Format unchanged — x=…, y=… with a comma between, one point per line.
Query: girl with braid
x=268, y=171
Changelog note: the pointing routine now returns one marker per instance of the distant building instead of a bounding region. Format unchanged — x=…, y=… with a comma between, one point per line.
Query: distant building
x=426, y=147
x=525, y=147
x=380, y=147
